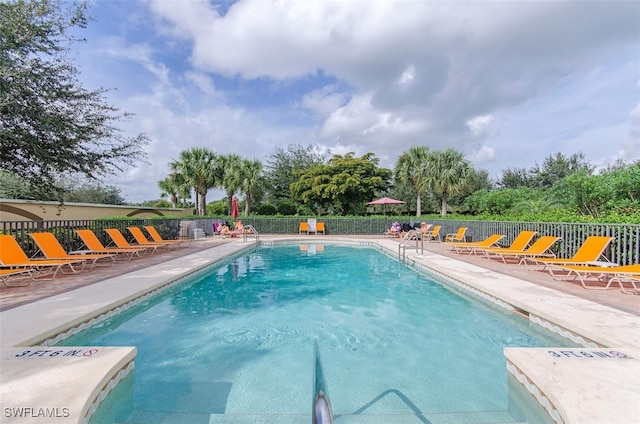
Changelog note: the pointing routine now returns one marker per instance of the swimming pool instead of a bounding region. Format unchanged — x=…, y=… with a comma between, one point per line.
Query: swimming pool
x=236, y=345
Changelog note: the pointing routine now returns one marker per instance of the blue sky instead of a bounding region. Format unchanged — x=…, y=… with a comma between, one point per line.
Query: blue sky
x=506, y=83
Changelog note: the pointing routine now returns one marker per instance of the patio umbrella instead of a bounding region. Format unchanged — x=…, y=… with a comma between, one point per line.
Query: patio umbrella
x=234, y=207
x=384, y=202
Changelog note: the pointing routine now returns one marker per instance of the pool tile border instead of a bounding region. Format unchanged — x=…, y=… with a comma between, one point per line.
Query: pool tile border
x=482, y=295
x=535, y=392
x=554, y=328
x=567, y=334
x=107, y=389
x=135, y=302
x=118, y=309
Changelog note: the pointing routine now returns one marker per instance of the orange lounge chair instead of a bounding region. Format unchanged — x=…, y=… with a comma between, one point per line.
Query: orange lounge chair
x=424, y=228
x=142, y=240
x=458, y=236
x=631, y=278
x=155, y=235
x=605, y=274
x=13, y=272
x=52, y=249
x=520, y=243
x=93, y=243
x=461, y=246
x=434, y=234
x=312, y=249
x=121, y=241
x=240, y=229
x=12, y=255
x=303, y=228
x=540, y=248
x=319, y=228
x=590, y=251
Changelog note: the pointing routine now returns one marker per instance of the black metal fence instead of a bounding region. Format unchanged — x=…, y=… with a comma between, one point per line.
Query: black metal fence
x=64, y=230
x=625, y=248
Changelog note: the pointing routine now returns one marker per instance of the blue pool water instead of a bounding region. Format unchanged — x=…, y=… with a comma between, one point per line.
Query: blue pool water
x=236, y=345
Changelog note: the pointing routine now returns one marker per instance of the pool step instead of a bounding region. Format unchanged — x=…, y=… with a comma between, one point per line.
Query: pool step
x=181, y=418
x=494, y=417
x=448, y=418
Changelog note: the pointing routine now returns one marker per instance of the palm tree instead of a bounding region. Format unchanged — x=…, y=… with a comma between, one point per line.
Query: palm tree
x=411, y=169
x=198, y=166
x=174, y=187
x=447, y=174
x=231, y=177
x=251, y=183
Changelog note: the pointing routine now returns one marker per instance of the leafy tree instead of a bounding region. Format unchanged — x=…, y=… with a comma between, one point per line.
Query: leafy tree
x=219, y=207
x=535, y=205
x=618, y=165
x=345, y=184
x=198, y=167
x=514, y=178
x=176, y=188
x=49, y=123
x=13, y=187
x=584, y=193
x=94, y=192
x=282, y=166
x=158, y=203
x=75, y=188
x=411, y=169
x=478, y=180
x=555, y=168
x=230, y=171
x=285, y=207
x=406, y=192
x=625, y=182
x=447, y=174
x=266, y=209
x=598, y=195
x=252, y=181
x=500, y=201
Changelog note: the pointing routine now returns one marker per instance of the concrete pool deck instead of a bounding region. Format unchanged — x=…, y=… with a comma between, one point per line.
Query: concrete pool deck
x=587, y=385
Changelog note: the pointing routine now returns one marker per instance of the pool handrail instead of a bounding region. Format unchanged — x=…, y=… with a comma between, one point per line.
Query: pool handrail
x=410, y=236
x=321, y=405
x=250, y=229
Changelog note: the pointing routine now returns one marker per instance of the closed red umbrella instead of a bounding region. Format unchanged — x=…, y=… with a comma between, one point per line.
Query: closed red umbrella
x=234, y=207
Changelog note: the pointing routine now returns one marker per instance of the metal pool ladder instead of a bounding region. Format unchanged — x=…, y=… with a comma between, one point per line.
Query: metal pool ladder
x=321, y=405
x=250, y=229
x=412, y=235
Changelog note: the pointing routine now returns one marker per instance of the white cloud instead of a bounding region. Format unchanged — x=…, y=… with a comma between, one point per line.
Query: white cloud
x=203, y=82
x=324, y=101
x=407, y=76
x=635, y=115
x=365, y=125
x=354, y=117
x=380, y=76
x=483, y=154
x=479, y=125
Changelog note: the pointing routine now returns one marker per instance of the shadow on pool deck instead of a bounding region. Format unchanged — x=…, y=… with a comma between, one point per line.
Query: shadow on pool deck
x=39, y=289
